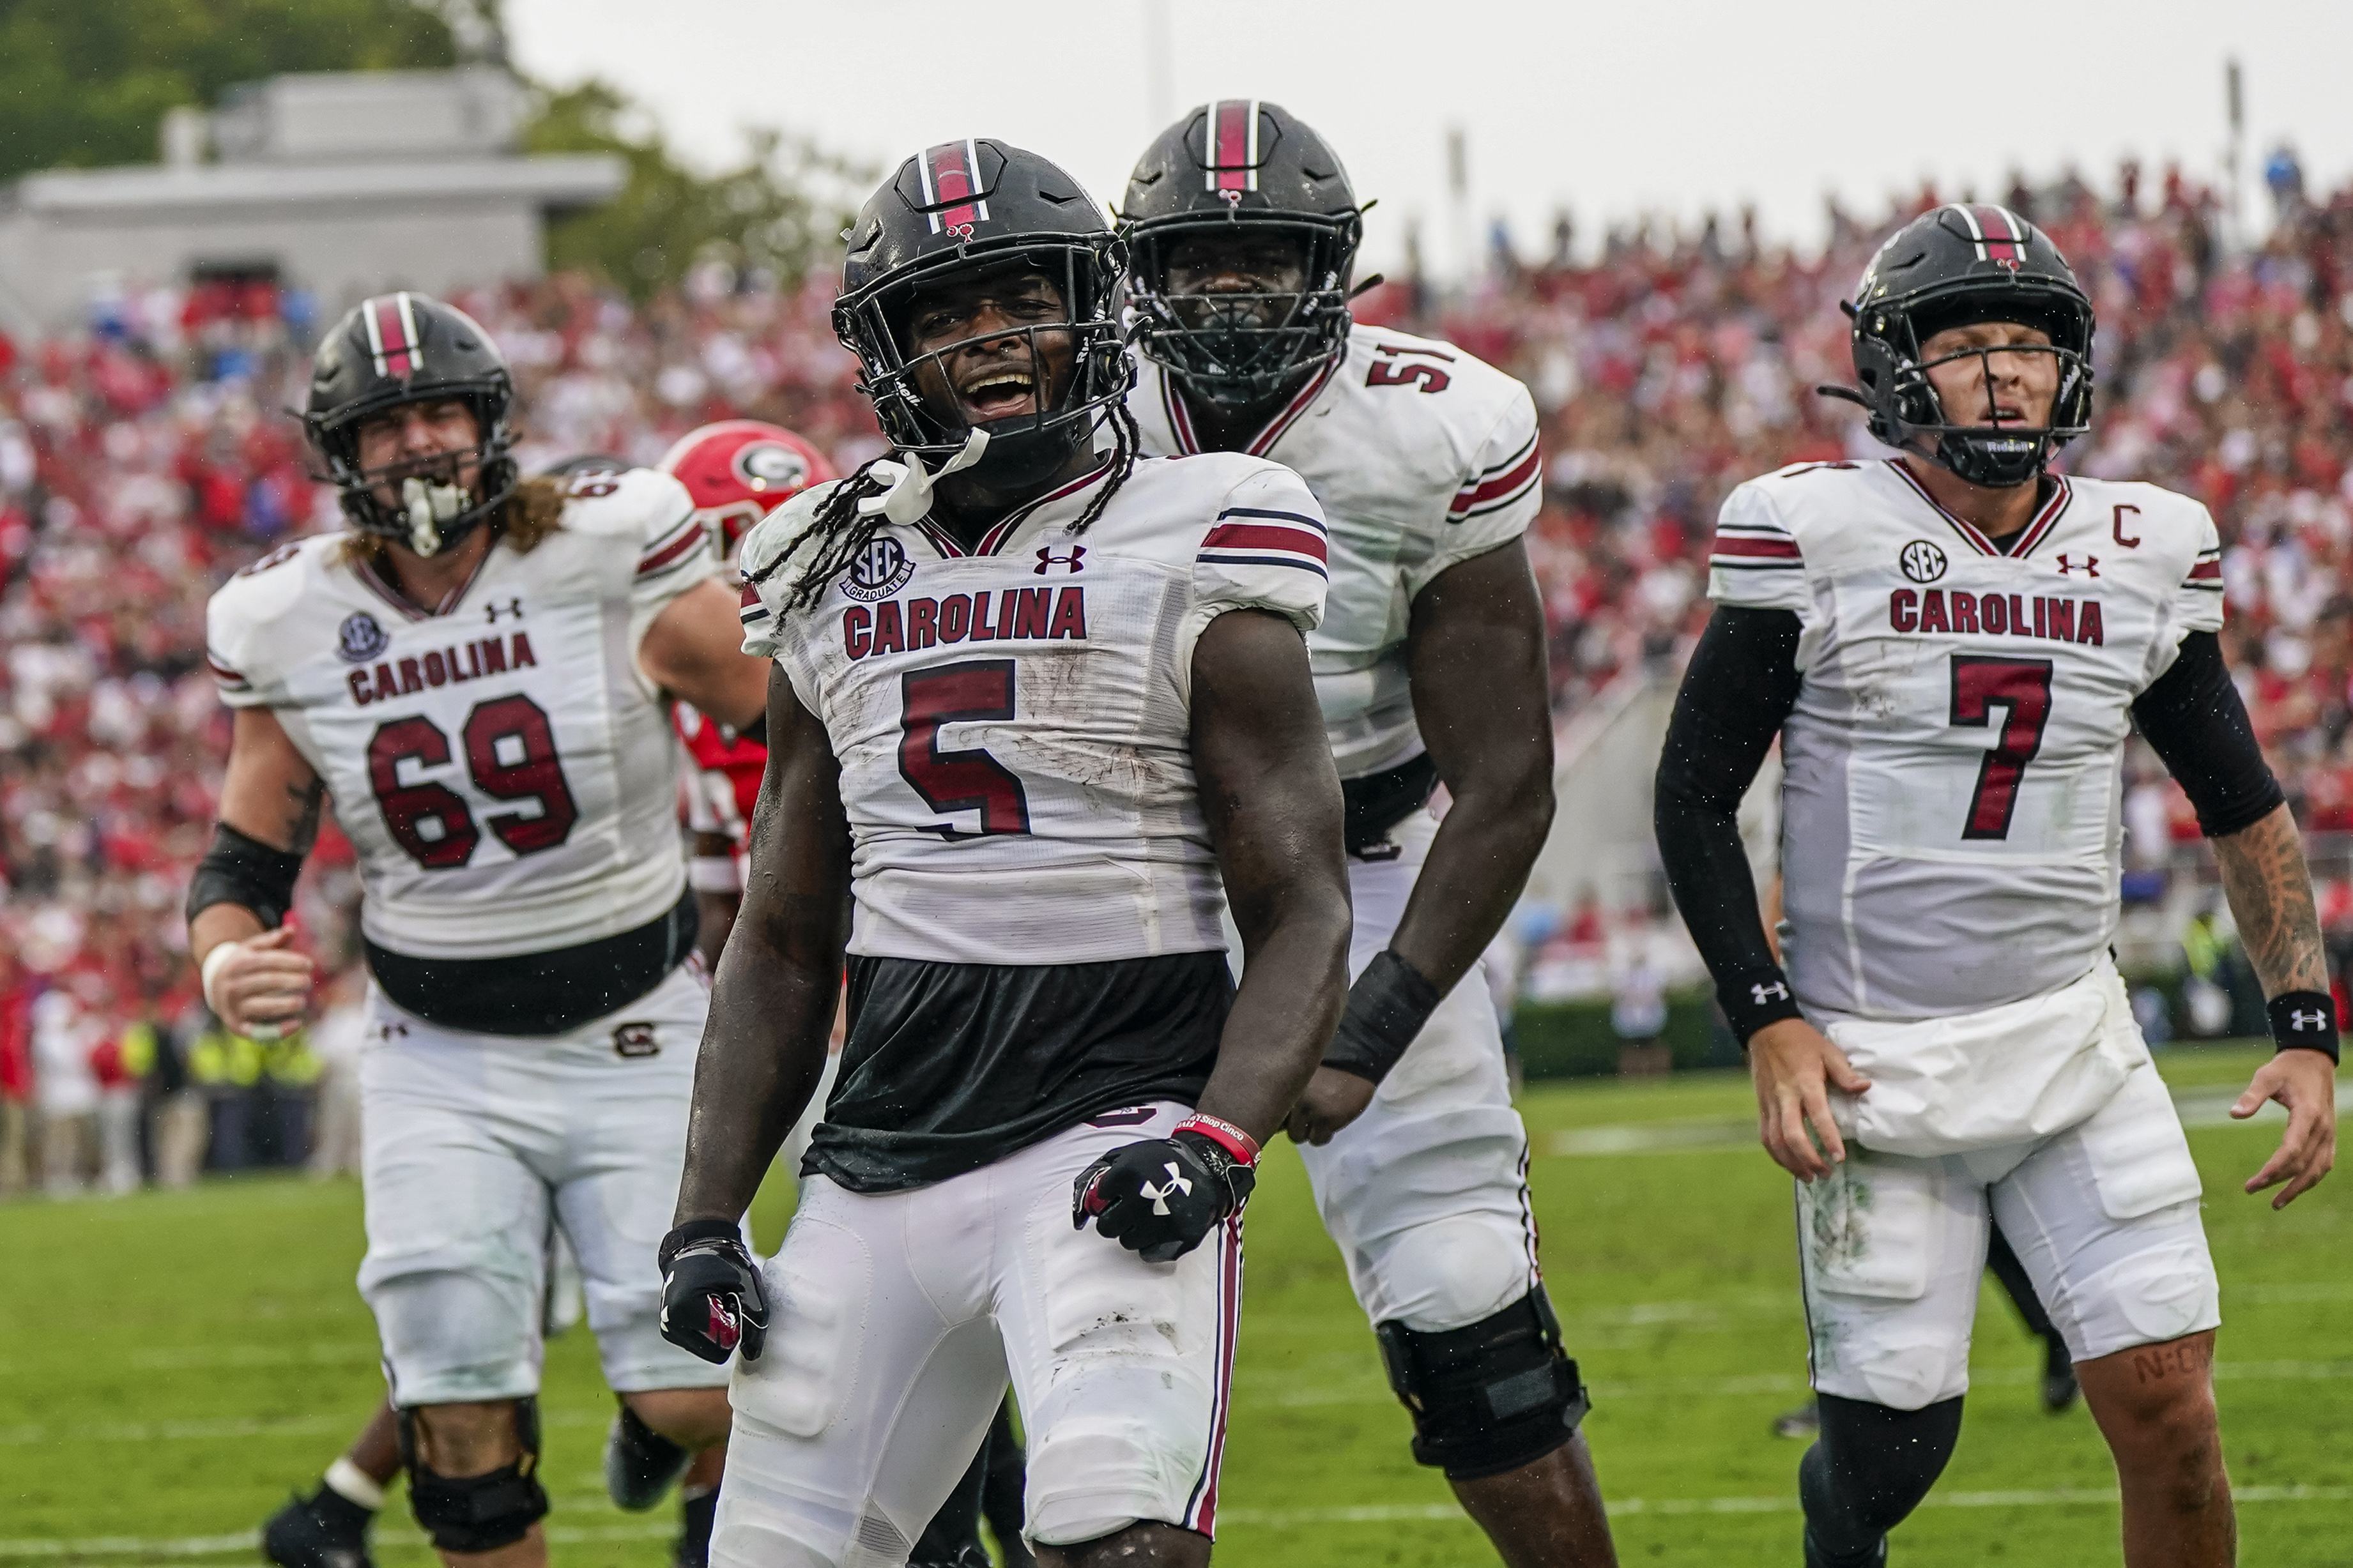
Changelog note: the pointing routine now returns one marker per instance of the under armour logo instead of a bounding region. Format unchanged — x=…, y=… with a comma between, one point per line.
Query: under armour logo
x=724, y=1329
x=1074, y=559
x=513, y=607
x=2301, y=1020
x=1777, y=992
x=1176, y=1184
x=2090, y=567
x=961, y=231
x=1233, y=198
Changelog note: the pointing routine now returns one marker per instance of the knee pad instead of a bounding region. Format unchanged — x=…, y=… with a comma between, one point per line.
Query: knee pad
x=478, y=1513
x=1490, y=1397
x=1870, y=1468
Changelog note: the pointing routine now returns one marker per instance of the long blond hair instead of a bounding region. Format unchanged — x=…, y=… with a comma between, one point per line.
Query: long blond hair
x=532, y=510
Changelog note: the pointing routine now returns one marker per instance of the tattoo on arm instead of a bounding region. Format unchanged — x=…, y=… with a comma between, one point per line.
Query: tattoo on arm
x=2270, y=891
x=305, y=805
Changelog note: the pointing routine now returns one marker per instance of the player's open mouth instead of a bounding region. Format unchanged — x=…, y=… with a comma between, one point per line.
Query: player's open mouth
x=999, y=394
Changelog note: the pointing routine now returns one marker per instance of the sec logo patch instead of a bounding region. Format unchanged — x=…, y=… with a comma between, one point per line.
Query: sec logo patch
x=1922, y=562
x=880, y=570
x=360, y=638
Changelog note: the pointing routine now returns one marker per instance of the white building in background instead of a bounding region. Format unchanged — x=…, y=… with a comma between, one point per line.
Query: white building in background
x=342, y=183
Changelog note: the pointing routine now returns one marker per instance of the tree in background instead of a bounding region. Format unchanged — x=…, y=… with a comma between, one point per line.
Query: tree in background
x=87, y=82
x=776, y=212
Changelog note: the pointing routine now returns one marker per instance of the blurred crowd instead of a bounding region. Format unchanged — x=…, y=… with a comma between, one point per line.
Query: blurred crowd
x=146, y=457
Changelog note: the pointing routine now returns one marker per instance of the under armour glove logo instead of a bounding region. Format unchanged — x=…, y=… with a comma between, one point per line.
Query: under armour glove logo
x=1777, y=992
x=1161, y=1220
x=713, y=1301
x=1177, y=1184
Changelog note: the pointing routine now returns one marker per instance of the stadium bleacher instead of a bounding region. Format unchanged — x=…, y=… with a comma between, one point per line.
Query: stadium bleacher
x=145, y=457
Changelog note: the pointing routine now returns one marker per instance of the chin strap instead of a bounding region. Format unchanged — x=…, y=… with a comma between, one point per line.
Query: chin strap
x=429, y=505
x=908, y=499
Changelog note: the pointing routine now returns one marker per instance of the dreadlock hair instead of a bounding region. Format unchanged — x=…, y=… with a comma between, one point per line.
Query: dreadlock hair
x=839, y=533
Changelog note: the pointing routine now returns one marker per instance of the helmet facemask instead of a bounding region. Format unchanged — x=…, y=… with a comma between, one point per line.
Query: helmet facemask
x=434, y=505
x=1241, y=349
x=1022, y=449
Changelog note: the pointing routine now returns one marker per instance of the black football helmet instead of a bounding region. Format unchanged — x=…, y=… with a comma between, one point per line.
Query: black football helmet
x=969, y=206
x=1227, y=163
x=1959, y=265
x=411, y=347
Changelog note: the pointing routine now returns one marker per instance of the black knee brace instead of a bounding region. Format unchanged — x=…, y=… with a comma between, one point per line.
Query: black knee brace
x=1867, y=1471
x=478, y=1513
x=1488, y=1398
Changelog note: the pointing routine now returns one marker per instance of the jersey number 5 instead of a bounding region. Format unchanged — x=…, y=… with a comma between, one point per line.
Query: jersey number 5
x=2021, y=688
x=967, y=780
x=510, y=752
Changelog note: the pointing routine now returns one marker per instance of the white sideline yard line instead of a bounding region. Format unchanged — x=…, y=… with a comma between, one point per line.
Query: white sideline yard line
x=562, y=1535
x=215, y=1430
x=2063, y=1497
x=2207, y=1105
x=1790, y=1382
x=251, y=1540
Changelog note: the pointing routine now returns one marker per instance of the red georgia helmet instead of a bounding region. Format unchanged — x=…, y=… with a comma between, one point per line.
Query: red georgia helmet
x=739, y=470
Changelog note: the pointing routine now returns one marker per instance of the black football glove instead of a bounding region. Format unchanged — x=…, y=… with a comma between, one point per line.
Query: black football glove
x=1159, y=1197
x=711, y=1300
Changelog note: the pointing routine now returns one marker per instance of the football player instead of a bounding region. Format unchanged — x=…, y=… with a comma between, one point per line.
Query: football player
x=738, y=471
x=1430, y=667
x=475, y=673
x=1952, y=645
x=1029, y=710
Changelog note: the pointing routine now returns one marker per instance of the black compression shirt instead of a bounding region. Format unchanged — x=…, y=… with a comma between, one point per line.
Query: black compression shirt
x=949, y=1066
x=1738, y=692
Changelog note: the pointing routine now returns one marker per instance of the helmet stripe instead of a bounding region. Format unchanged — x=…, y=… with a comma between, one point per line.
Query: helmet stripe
x=1976, y=230
x=391, y=335
x=950, y=174
x=2003, y=233
x=1233, y=144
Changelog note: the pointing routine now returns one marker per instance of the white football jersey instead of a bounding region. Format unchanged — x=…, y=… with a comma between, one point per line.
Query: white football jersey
x=1422, y=457
x=506, y=772
x=1013, y=718
x=1952, y=818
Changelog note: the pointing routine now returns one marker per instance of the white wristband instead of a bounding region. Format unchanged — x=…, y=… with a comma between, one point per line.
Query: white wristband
x=714, y=874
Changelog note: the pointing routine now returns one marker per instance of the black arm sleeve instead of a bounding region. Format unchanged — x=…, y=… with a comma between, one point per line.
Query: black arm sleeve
x=238, y=869
x=2193, y=717
x=1739, y=689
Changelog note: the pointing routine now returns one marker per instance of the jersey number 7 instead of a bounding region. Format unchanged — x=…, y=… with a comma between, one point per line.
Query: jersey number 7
x=2021, y=688
x=965, y=780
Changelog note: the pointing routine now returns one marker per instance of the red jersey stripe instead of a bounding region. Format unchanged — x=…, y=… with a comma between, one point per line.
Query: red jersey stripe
x=683, y=541
x=1766, y=549
x=1265, y=536
x=1471, y=496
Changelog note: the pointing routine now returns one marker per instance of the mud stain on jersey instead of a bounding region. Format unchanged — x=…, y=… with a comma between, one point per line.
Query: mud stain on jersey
x=1838, y=1228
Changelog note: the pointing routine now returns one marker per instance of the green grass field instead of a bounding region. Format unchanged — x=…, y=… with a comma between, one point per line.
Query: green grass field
x=171, y=1363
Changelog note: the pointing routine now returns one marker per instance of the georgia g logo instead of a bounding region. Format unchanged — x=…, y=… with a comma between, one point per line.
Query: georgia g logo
x=1922, y=562
x=771, y=466
x=880, y=570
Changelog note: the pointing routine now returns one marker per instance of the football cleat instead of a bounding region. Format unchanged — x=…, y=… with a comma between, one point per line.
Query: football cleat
x=323, y=1530
x=696, y=1515
x=1817, y=1558
x=2059, y=1389
x=642, y=1464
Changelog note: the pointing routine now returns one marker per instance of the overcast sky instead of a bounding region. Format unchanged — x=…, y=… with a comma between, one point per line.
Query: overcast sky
x=1673, y=105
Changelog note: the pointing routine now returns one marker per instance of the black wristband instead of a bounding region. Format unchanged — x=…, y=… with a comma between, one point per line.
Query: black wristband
x=685, y=1236
x=1388, y=1005
x=2303, y=1020
x=243, y=871
x=1752, y=1001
